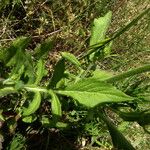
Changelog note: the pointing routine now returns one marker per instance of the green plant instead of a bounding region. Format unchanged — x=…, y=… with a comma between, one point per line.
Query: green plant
x=27, y=87
x=18, y=142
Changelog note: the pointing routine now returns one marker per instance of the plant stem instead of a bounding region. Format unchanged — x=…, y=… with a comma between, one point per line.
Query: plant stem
x=130, y=24
x=33, y=89
x=127, y=74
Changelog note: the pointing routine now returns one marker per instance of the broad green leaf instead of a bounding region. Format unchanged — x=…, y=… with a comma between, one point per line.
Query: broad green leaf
x=58, y=73
x=33, y=105
x=55, y=105
x=101, y=75
x=7, y=90
x=42, y=49
x=92, y=92
x=71, y=58
x=99, y=29
x=101, y=44
x=41, y=71
x=119, y=141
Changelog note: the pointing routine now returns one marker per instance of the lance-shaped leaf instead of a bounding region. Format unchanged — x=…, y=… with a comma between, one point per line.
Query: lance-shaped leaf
x=71, y=58
x=100, y=27
x=119, y=141
x=143, y=118
x=7, y=90
x=55, y=105
x=41, y=71
x=33, y=105
x=91, y=92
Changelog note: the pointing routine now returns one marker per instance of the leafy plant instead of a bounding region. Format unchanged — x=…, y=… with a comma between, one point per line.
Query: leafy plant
x=18, y=142
x=88, y=88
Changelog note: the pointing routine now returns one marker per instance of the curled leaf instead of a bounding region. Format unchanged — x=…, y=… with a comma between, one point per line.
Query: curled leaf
x=33, y=106
x=55, y=105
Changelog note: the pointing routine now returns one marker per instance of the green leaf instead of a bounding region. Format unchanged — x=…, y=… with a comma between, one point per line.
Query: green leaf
x=8, y=54
x=46, y=122
x=29, y=119
x=101, y=75
x=55, y=105
x=19, y=85
x=29, y=68
x=16, y=74
x=17, y=143
x=100, y=27
x=132, y=72
x=145, y=119
x=23, y=64
x=92, y=92
x=58, y=73
x=33, y=106
x=17, y=57
x=140, y=117
x=42, y=49
x=41, y=71
x=131, y=116
x=101, y=44
x=107, y=49
x=119, y=141
x=2, y=118
x=71, y=58
x=7, y=90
